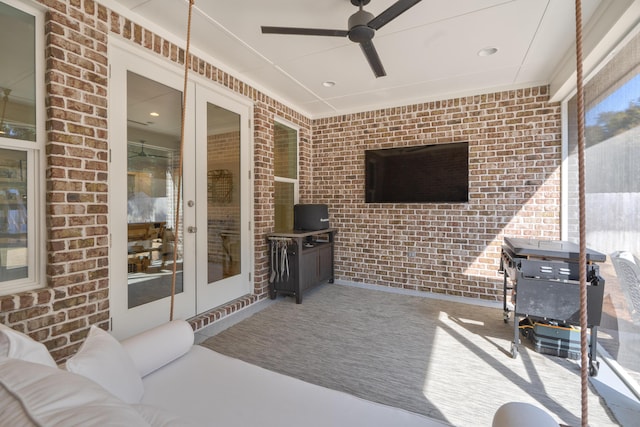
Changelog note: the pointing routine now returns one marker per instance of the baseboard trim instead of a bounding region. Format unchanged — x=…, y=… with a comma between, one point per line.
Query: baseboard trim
x=431, y=295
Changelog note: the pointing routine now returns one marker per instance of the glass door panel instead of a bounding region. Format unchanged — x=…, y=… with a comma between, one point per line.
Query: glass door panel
x=152, y=190
x=223, y=197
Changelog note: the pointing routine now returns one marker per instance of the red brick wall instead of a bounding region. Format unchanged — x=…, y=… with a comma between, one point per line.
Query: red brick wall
x=514, y=190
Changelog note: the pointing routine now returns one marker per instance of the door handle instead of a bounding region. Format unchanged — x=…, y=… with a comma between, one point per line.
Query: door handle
x=192, y=229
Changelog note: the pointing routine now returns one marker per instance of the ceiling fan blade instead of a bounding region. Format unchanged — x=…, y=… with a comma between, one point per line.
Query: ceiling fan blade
x=147, y=156
x=304, y=31
x=391, y=13
x=372, y=56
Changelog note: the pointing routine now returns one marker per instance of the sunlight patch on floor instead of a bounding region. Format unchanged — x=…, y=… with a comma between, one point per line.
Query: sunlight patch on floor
x=467, y=360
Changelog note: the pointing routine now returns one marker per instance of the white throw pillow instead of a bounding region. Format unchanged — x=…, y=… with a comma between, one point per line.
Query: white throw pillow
x=17, y=345
x=156, y=347
x=35, y=395
x=102, y=359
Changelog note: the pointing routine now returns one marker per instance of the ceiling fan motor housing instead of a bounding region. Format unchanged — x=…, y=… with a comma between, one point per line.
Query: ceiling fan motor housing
x=359, y=31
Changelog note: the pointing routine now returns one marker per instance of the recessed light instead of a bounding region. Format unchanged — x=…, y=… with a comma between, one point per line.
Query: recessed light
x=488, y=51
x=154, y=114
x=329, y=83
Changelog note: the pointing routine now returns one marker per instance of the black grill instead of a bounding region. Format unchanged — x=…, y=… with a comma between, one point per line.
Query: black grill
x=544, y=277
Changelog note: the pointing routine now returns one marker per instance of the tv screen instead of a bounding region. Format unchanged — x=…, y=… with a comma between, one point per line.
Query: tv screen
x=422, y=174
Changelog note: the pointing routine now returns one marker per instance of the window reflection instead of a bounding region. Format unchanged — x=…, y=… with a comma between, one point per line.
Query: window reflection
x=223, y=194
x=153, y=149
x=13, y=215
x=284, y=199
x=17, y=74
x=285, y=151
x=285, y=159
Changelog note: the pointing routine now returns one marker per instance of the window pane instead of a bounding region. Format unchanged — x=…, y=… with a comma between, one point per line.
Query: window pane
x=284, y=200
x=13, y=215
x=612, y=197
x=285, y=166
x=285, y=152
x=17, y=74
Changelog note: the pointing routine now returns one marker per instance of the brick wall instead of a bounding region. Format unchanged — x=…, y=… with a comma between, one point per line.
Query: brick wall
x=514, y=190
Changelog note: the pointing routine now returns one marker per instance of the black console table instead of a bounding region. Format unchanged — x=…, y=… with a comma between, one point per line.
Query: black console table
x=545, y=277
x=299, y=260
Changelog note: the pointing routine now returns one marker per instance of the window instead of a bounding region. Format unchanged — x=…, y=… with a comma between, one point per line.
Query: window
x=20, y=149
x=612, y=197
x=286, y=175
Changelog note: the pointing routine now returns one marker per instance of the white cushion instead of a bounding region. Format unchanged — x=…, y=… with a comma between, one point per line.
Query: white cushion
x=102, y=359
x=203, y=387
x=159, y=417
x=520, y=414
x=35, y=395
x=17, y=345
x=12, y=411
x=154, y=348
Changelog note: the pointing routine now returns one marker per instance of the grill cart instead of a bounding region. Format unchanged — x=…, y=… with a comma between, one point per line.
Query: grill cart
x=544, y=278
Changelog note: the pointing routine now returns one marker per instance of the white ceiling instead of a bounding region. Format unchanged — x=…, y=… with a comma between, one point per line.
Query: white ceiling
x=429, y=52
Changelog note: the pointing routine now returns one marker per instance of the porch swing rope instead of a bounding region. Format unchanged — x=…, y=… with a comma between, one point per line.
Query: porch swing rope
x=176, y=228
x=584, y=371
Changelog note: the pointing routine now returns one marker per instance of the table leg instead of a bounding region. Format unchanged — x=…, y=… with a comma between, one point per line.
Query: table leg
x=516, y=336
x=505, y=313
x=594, y=365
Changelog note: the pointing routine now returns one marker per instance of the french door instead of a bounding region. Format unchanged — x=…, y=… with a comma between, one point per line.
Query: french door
x=187, y=234
x=224, y=207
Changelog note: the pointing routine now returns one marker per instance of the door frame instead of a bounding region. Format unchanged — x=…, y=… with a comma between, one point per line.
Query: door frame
x=126, y=321
x=124, y=57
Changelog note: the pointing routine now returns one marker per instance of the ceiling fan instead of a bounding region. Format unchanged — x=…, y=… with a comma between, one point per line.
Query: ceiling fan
x=144, y=154
x=362, y=27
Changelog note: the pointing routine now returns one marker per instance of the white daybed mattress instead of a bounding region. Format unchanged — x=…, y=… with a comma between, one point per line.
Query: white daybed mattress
x=211, y=389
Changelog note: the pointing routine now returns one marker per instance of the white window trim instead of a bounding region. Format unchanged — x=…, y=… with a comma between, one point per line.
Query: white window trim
x=36, y=162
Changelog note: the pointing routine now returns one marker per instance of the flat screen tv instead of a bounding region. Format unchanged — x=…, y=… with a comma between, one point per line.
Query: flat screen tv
x=421, y=174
